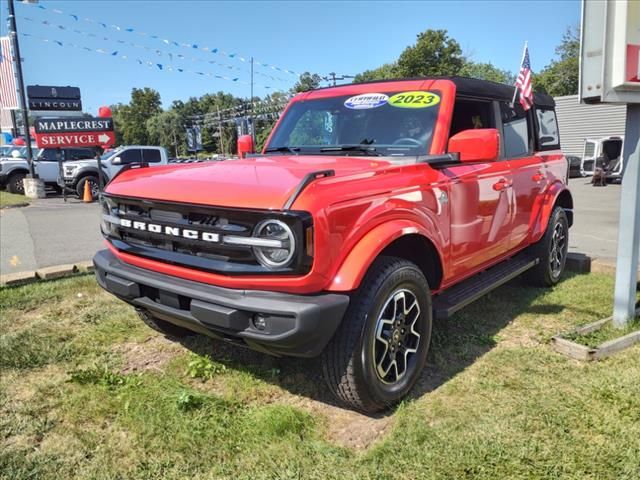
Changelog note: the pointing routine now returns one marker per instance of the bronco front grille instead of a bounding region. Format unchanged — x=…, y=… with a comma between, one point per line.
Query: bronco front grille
x=196, y=236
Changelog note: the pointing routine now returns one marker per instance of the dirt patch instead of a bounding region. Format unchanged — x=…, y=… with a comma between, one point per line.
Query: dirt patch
x=151, y=354
x=345, y=427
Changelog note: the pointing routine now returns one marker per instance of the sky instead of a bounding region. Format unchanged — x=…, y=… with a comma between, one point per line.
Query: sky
x=344, y=37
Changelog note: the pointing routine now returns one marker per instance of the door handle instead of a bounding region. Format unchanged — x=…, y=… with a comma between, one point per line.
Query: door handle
x=501, y=184
x=538, y=177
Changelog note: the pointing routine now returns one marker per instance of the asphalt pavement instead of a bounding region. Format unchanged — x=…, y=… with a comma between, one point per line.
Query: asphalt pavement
x=50, y=232
x=596, y=217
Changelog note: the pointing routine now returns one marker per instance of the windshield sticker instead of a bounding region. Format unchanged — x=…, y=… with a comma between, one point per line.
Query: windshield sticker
x=414, y=99
x=366, y=100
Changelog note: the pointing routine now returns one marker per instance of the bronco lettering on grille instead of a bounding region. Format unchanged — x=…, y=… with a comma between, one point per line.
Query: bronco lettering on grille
x=170, y=231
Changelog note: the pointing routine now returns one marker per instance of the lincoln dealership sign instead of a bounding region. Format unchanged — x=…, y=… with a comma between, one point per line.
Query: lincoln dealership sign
x=44, y=98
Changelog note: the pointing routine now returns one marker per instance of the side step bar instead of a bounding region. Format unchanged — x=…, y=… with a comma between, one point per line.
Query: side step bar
x=470, y=290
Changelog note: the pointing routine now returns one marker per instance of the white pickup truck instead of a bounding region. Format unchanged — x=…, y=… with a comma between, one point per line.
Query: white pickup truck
x=14, y=166
x=76, y=173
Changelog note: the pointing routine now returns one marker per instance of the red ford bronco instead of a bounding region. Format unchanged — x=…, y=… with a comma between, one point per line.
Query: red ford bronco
x=372, y=210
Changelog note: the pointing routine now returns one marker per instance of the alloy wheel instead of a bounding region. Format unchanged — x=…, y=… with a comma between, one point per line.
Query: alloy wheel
x=558, y=247
x=396, y=338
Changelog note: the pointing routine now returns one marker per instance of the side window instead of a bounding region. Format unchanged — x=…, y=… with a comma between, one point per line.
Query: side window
x=133, y=155
x=589, y=150
x=548, y=137
x=48, y=155
x=515, y=130
x=79, y=154
x=151, y=155
x=471, y=114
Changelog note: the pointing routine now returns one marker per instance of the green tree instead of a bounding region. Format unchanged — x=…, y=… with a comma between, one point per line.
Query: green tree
x=384, y=72
x=118, y=115
x=166, y=129
x=131, y=120
x=486, y=71
x=561, y=76
x=307, y=81
x=434, y=53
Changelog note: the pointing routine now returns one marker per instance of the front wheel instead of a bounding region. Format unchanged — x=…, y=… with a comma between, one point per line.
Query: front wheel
x=93, y=185
x=551, y=250
x=380, y=349
x=15, y=183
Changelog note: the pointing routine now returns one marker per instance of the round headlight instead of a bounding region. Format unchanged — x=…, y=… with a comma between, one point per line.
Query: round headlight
x=274, y=256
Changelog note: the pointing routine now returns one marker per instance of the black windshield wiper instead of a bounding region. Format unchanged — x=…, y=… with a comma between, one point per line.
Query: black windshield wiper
x=283, y=149
x=368, y=149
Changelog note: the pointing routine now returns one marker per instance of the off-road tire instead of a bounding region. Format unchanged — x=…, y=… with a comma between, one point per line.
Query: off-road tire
x=93, y=183
x=543, y=274
x=348, y=361
x=15, y=184
x=163, y=327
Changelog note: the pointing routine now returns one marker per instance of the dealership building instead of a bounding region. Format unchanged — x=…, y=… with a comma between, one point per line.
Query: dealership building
x=578, y=121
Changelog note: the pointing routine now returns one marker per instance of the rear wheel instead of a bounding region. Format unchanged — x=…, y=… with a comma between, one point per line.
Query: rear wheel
x=378, y=353
x=551, y=249
x=93, y=185
x=15, y=183
x=163, y=327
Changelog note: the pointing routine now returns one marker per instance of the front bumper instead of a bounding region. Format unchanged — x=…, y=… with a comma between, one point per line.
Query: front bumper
x=296, y=325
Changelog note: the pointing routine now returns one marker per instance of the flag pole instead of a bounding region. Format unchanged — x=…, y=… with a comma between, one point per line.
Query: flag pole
x=515, y=90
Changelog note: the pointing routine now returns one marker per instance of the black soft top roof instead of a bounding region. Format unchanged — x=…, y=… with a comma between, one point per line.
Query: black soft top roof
x=494, y=90
x=474, y=87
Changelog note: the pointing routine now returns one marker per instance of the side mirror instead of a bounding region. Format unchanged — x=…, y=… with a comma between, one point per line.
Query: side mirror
x=116, y=161
x=476, y=145
x=245, y=145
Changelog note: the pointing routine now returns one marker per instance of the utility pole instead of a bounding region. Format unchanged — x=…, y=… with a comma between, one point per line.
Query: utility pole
x=220, y=131
x=13, y=36
x=333, y=77
x=253, y=127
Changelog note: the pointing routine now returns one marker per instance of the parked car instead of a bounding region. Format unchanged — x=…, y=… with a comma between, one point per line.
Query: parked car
x=76, y=173
x=373, y=209
x=45, y=162
x=609, y=149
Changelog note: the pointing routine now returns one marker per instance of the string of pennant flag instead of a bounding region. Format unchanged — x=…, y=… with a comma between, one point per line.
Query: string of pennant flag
x=165, y=41
x=145, y=62
x=171, y=56
x=240, y=109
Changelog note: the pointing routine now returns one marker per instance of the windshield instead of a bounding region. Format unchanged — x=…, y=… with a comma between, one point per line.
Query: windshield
x=7, y=151
x=390, y=124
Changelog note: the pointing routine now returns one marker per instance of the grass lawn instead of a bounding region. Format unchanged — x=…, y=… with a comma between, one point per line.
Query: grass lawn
x=88, y=391
x=7, y=199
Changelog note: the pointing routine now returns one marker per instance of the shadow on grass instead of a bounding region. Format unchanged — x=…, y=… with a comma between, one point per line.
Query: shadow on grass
x=455, y=345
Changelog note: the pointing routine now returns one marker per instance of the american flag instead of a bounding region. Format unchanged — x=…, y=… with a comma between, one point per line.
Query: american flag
x=8, y=95
x=523, y=82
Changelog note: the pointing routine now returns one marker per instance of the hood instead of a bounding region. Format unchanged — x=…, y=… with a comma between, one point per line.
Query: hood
x=11, y=159
x=260, y=182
